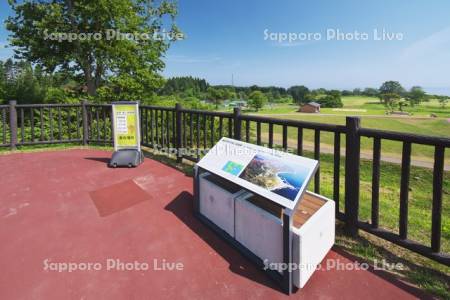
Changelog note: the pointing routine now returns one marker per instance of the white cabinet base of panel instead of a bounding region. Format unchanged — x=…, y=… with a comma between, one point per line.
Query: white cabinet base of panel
x=259, y=231
x=312, y=241
x=217, y=204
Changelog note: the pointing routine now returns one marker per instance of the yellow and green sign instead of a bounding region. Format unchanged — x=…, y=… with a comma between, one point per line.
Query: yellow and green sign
x=126, y=125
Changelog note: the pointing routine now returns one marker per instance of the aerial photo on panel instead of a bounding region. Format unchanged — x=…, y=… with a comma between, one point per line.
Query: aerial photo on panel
x=275, y=175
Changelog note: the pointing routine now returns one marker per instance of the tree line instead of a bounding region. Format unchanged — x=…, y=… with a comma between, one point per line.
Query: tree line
x=22, y=81
x=391, y=93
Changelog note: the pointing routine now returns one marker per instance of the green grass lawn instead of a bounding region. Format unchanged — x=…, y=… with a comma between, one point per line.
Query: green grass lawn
x=358, y=101
x=373, y=117
x=366, y=106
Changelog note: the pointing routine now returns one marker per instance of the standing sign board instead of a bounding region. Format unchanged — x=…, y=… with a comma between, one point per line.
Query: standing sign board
x=275, y=175
x=126, y=134
x=126, y=125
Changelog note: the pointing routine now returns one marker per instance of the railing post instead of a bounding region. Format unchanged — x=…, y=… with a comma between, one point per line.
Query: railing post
x=178, y=137
x=352, y=156
x=13, y=123
x=85, y=124
x=237, y=123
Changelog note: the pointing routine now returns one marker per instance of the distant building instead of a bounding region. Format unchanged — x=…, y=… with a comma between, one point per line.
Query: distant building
x=236, y=103
x=311, y=107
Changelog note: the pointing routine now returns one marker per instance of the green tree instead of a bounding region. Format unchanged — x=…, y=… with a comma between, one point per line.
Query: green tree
x=347, y=93
x=257, y=100
x=390, y=93
x=300, y=94
x=392, y=87
x=187, y=86
x=40, y=31
x=371, y=92
x=416, y=95
x=216, y=95
x=229, y=94
x=390, y=100
x=443, y=100
x=332, y=98
x=275, y=95
x=357, y=92
x=21, y=82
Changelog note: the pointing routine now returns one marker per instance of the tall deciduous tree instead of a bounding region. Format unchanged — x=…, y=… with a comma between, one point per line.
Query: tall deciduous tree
x=41, y=29
x=216, y=95
x=390, y=100
x=390, y=93
x=332, y=98
x=257, y=100
x=392, y=87
x=416, y=95
x=300, y=94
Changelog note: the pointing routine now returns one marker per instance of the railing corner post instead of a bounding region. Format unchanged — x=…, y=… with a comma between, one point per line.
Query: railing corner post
x=84, y=116
x=13, y=123
x=237, y=123
x=178, y=118
x=352, y=160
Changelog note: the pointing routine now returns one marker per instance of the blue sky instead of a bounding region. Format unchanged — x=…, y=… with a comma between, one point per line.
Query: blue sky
x=227, y=37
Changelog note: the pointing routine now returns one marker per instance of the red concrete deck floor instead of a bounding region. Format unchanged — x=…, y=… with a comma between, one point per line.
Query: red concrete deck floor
x=68, y=207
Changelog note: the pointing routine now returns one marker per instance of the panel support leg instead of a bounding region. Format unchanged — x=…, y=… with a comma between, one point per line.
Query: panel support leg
x=196, y=199
x=287, y=253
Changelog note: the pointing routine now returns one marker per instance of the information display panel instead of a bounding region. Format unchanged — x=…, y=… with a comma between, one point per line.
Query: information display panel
x=126, y=125
x=278, y=176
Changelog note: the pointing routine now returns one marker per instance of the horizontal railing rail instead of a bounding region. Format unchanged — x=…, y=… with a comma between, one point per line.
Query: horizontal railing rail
x=48, y=105
x=295, y=123
x=208, y=113
x=189, y=133
x=405, y=137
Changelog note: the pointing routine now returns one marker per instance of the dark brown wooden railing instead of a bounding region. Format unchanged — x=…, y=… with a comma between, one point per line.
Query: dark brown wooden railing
x=5, y=132
x=188, y=133
x=401, y=238
x=35, y=124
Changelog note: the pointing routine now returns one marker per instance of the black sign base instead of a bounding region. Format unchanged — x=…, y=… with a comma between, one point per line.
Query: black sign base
x=126, y=158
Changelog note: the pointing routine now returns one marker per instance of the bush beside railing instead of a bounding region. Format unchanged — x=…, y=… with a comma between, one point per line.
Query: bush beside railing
x=181, y=129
